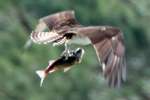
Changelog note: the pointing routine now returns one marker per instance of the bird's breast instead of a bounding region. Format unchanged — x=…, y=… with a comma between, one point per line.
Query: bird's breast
x=80, y=40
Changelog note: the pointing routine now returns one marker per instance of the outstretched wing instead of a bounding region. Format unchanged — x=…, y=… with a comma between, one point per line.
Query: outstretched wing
x=57, y=24
x=109, y=46
x=61, y=20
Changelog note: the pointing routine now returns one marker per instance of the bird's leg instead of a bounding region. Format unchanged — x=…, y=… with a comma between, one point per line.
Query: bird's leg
x=66, y=51
x=66, y=48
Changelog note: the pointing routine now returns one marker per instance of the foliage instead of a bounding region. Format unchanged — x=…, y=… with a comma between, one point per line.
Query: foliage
x=83, y=81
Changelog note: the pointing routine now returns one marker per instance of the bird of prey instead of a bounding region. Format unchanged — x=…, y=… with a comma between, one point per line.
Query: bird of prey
x=107, y=41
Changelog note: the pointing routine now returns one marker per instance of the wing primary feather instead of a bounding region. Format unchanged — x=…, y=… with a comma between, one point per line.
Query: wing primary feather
x=124, y=70
x=110, y=51
x=113, y=75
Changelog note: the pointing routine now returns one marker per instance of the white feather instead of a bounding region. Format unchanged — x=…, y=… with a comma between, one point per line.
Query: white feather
x=80, y=40
x=43, y=37
x=103, y=66
x=113, y=38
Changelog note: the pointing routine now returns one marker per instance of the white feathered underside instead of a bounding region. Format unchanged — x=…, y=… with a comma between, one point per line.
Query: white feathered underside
x=44, y=37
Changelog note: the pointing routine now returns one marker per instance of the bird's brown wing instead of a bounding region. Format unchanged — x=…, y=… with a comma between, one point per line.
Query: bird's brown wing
x=58, y=21
x=57, y=24
x=109, y=46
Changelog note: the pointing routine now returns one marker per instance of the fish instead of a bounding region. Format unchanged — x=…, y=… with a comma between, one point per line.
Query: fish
x=63, y=62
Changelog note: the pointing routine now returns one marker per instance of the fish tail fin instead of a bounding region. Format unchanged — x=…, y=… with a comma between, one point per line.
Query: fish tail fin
x=42, y=75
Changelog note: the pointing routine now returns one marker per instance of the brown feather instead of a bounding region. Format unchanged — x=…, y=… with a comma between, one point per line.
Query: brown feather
x=62, y=20
x=109, y=46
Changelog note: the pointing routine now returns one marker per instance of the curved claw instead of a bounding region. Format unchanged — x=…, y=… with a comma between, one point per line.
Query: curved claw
x=66, y=52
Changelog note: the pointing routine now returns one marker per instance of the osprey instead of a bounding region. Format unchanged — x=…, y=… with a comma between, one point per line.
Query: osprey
x=107, y=41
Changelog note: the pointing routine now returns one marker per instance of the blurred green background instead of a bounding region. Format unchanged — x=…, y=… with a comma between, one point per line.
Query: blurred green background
x=84, y=81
